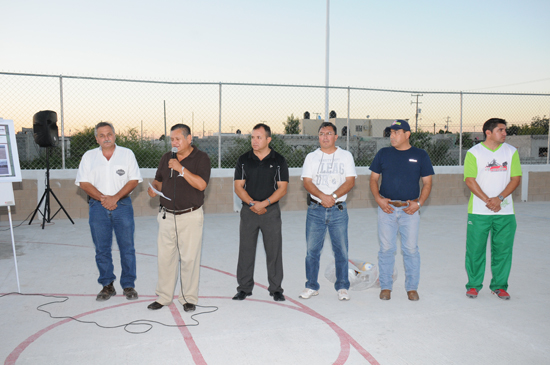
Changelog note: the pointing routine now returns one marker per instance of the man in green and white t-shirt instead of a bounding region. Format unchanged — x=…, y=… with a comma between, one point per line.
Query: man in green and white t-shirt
x=492, y=171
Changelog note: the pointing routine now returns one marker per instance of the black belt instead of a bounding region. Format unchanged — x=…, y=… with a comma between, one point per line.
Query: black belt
x=178, y=212
x=319, y=203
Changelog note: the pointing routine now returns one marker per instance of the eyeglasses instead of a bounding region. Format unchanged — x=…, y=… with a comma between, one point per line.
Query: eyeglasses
x=326, y=134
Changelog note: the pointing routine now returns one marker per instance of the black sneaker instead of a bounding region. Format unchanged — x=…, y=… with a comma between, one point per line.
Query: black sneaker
x=107, y=292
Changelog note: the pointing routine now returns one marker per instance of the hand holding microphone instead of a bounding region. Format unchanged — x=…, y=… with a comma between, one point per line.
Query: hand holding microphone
x=174, y=152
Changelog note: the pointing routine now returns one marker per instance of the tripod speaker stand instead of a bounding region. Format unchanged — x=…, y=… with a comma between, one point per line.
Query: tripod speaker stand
x=46, y=135
x=46, y=197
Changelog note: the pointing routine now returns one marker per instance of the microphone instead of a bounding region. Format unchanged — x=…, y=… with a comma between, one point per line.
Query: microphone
x=174, y=152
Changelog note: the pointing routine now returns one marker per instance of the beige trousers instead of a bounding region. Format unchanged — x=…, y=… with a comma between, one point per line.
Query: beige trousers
x=186, y=253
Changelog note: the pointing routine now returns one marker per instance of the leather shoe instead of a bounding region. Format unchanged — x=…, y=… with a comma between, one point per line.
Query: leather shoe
x=278, y=296
x=413, y=295
x=385, y=294
x=189, y=307
x=241, y=295
x=107, y=292
x=130, y=293
x=154, y=306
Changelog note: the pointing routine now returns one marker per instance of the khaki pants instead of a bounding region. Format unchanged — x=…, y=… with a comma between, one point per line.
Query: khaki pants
x=186, y=253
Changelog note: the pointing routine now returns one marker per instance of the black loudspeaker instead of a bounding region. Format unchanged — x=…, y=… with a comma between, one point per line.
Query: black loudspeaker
x=44, y=126
x=332, y=114
x=306, y=115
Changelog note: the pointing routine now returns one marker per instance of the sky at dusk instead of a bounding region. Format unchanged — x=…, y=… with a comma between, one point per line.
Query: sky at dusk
x=493, y=46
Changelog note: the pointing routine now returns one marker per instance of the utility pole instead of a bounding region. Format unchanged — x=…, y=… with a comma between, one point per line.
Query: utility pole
x=416, y=114
x=448, y=123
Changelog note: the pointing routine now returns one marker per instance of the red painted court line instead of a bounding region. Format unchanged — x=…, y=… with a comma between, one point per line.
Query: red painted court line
x=187, y=337
x=345, y=339
x=14, y=355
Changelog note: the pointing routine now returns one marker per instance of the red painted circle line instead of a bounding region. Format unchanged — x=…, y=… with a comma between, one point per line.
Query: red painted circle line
x=345, y=339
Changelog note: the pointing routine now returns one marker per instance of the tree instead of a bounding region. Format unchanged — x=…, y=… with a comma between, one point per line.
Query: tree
x=467, y=141
x=292, y=125
x=437, y=150
x=538, y=126
x=295, y=156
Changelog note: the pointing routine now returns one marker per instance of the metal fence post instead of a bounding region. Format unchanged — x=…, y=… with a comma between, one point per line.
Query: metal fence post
x=220, y=130
x=165, y=135
x=460, y=136
x=548, y=142
x=62, y=122
x=347, y=126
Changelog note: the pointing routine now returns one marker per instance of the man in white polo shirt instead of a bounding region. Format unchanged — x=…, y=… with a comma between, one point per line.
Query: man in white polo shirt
x=108, y=174
x=492, y=172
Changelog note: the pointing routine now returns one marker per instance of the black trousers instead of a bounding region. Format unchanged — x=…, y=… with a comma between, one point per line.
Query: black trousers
x=250, y=226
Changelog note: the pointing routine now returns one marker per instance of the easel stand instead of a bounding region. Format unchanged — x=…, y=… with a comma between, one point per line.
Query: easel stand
x=46, y=215
x=7, y=199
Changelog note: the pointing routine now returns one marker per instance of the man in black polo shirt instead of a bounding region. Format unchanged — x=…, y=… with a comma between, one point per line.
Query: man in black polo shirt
x=261, y=179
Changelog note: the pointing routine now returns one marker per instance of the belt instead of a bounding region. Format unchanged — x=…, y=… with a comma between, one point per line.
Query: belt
x=319, y=203
x=178, y=212
x=124, y=197
x=399, y=203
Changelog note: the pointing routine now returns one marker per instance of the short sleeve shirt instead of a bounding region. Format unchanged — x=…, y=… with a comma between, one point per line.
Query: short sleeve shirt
x=492, y=171
x=182, y=194
x=108, y=176
x=261, y=176
x=329, y=171
x=401, y=171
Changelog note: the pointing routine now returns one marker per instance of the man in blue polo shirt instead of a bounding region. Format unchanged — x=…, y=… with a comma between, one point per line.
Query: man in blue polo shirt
x=261, y=179
x=399, y=201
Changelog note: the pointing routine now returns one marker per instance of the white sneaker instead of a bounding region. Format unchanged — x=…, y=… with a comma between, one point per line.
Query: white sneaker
x=308, y=293
x=343, y=294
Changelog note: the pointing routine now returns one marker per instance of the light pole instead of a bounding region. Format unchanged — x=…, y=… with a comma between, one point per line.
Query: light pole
x=326, y=61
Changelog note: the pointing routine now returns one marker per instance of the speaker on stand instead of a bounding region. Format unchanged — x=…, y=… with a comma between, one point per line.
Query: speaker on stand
x=46, y=135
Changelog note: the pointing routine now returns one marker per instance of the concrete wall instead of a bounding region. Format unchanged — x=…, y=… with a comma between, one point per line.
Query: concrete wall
x=448, y=189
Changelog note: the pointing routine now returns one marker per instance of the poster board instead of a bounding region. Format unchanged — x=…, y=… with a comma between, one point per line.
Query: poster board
x=10, y=169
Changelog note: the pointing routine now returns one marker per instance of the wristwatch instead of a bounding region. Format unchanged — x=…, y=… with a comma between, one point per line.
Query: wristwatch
x=501, y=198
x=334, y=196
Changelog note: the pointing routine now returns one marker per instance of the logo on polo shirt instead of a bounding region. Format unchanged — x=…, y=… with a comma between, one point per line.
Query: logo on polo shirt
x=120, y=172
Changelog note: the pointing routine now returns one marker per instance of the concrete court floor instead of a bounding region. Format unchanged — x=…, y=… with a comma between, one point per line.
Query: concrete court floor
x=444, y=327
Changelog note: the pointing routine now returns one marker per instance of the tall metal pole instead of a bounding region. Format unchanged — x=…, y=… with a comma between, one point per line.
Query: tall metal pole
x=165, y=136
x=460, y=138
x=326, y=61
x=220, y=130
x=347, y=126
x=548, y=145
x=62, y=123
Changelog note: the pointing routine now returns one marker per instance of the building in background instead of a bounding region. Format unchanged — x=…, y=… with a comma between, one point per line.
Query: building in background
x=357, y=127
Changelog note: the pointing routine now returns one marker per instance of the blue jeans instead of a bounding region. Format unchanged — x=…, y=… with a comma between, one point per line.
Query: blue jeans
x=319, y=219
x=388, y=226
x=102, y=223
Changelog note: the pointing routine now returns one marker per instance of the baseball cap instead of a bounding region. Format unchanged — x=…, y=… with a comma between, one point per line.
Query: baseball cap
x=401, y=124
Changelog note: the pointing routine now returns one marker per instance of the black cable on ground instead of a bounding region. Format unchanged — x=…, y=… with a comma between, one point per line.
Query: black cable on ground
x=139, y=322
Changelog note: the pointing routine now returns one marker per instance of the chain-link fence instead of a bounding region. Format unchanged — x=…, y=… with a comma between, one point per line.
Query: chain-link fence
x=222, y=115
